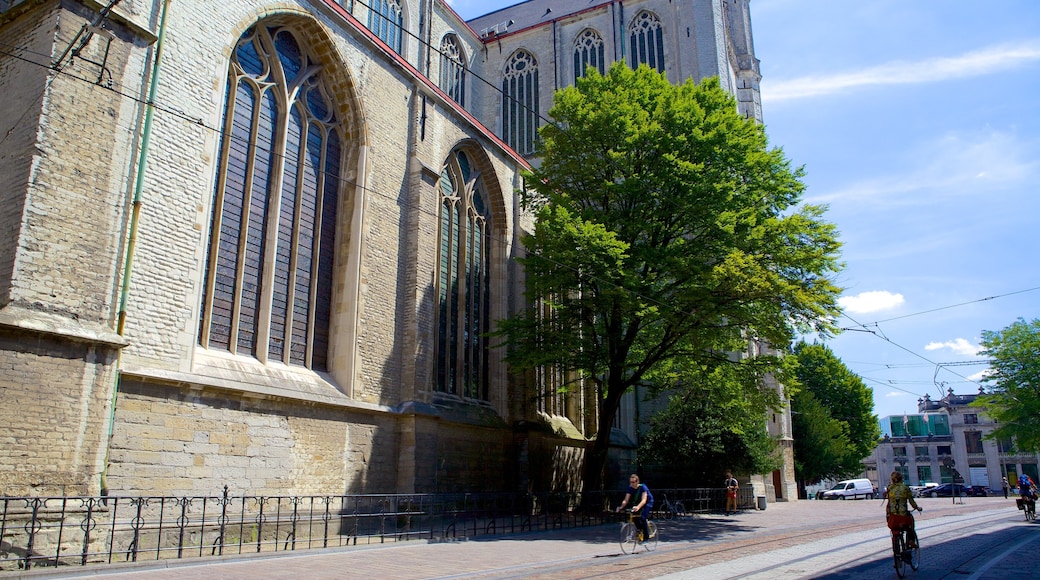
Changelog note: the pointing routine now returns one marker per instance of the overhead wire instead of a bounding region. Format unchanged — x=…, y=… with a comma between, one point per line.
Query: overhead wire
x=1034, y=289
x=880, y=334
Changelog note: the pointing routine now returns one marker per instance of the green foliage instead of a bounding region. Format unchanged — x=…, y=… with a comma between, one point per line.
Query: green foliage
x=1014, y=398
x=712, y=427
x=834, y=423
x=667, y=235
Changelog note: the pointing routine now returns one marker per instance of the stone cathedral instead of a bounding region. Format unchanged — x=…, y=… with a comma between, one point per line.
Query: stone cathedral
x=261, y=243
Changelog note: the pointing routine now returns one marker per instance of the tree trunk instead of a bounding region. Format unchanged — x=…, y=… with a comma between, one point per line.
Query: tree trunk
x=596, y=458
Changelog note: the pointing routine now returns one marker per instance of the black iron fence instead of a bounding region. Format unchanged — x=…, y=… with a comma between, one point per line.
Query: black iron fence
x=77, y=531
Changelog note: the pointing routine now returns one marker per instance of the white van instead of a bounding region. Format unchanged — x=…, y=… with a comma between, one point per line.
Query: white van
x=851, y=489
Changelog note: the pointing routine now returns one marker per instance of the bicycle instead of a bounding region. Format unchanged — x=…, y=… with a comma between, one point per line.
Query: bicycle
x=903, y=553
x=632, y=536
x=1028, y=506
x=670, y=510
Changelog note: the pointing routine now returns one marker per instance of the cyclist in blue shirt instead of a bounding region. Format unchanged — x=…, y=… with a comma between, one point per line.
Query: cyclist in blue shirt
x=1026, y=487
x=638, y=494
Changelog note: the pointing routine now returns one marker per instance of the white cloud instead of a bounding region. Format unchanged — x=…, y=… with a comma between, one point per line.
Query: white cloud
x=977, y=63
x=873, y=301
x=980, y=376
x=957, y=345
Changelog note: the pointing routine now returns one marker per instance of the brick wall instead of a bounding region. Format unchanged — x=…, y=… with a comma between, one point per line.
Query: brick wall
x=54, y=401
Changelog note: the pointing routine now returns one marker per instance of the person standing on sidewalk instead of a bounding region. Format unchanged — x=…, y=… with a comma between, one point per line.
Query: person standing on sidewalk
x=731, y=492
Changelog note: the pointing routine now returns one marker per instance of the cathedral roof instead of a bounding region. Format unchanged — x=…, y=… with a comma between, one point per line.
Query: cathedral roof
x=528, y=14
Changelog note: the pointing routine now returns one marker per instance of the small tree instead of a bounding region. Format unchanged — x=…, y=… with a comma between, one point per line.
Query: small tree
x=707, y=429
x=666, y=236
x=1014, y=399
x=833, y=420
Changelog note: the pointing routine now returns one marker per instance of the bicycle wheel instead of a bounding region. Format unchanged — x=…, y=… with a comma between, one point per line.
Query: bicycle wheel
x=897, y=554
x=651, y=543
x=680, y=510
x=915, y=552
x=629, y=538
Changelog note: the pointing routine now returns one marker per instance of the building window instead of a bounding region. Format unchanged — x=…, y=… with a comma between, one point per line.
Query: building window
x=971, y=419
x=646, y=39
x=921, y=452
x=268, y=285
x=520, y=102
x=899, y=451
x=386, y=20
x=904, y=471
x=453, y=69
x=463, y=281
x=924, y=474
x=588, y=51
x=973, y=441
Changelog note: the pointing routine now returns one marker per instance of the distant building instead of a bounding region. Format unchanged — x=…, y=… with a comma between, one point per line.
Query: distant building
x=945, y=442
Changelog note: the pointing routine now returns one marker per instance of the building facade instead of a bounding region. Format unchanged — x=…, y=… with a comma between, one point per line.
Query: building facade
x=946, y=442
x=261, y=243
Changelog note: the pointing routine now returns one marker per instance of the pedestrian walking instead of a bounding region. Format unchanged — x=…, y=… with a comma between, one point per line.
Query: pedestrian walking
x=1007, y=487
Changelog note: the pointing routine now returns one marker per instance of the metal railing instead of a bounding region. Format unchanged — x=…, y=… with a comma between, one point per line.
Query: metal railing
x=78, y=531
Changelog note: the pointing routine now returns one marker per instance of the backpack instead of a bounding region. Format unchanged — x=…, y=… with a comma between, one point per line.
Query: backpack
x=649, y=496
x=1023, y=480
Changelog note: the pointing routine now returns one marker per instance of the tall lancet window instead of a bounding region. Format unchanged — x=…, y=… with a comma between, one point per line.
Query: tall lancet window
x=588, y=51
x=520, y=102
x=463, y=281
x=646, y=40
x=386, y=20
x=453, y=69
x=268, y=286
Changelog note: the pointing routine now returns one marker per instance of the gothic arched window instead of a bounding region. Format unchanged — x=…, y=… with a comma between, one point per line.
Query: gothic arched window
x=453, y=69
x=520, y=102
x=588, y=51
x=268, y=285
x=386, y=20
x=463, y=281
x=646, y=38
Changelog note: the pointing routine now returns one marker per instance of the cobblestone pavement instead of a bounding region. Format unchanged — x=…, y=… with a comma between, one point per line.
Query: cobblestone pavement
x=798, y=539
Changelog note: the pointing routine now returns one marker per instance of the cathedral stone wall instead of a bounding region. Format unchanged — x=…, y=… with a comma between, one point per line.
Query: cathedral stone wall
x=187, y=419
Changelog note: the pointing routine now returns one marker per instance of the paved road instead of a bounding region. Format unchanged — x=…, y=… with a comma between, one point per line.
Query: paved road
x=978, y=539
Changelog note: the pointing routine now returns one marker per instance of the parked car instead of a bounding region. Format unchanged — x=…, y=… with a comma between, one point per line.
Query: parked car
x=851, y=489
x=922, y=490
x=947, y=490
x=978, y=491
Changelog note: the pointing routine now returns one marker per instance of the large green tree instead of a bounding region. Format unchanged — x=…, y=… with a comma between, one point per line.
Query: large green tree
x=1014, y=397
x=667, y=235
x=834, y=423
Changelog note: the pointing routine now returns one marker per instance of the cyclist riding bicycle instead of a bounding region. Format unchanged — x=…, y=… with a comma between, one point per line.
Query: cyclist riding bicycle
x=898, y=514
x=639, y=494
x=1026, y=487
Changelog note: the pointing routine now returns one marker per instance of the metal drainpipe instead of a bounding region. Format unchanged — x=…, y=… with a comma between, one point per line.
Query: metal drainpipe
x=135, y=217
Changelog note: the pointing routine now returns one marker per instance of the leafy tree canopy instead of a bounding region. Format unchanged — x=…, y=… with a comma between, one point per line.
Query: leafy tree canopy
x=710, y=428
x=667, y=235
x=833, y=423
x=1014, y=398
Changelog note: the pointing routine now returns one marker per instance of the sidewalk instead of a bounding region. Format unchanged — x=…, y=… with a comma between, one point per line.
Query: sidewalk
x=570, y=553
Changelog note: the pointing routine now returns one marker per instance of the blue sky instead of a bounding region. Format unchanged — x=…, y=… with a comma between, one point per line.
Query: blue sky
x=918, y=124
